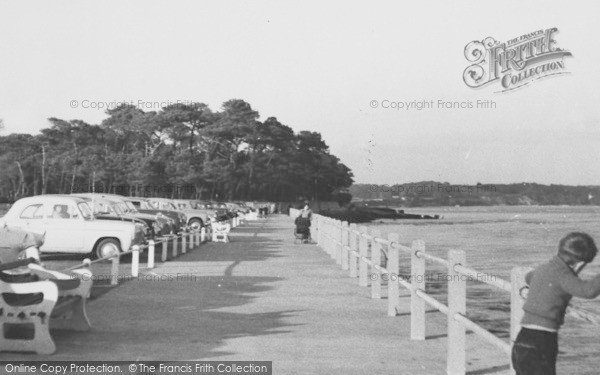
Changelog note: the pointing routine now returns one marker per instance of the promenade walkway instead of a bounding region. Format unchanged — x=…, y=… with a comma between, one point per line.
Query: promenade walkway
x=261, y=297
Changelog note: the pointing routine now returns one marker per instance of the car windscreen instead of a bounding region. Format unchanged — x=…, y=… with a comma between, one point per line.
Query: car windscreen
x=130, y=207
x=86, y=211
x=116, y=209
x=120, y=208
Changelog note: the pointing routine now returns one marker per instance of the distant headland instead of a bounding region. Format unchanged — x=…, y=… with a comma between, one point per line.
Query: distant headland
x=434, y=193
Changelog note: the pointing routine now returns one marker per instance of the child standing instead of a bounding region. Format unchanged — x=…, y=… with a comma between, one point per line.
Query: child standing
x=551, y=287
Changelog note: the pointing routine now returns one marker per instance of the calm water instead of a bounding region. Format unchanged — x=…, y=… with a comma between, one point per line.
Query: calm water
x=496, y=239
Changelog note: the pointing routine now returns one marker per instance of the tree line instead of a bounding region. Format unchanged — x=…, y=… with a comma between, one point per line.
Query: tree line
x=181, y=151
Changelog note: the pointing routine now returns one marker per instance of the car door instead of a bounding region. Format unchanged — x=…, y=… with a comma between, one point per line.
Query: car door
x=65, y=228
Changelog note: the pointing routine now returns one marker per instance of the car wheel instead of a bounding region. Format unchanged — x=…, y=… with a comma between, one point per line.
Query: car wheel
x=107, y=247
x=195, y=224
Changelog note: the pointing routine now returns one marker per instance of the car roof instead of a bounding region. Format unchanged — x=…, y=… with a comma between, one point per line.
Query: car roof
x=131, y=199
x=43, y=199
x=51, y=198
x=99, y=195
x=101, y=200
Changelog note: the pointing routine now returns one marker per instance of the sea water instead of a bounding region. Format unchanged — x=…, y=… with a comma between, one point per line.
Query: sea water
x=496, y=239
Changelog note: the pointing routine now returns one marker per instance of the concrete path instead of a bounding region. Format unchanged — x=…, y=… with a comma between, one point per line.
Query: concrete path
x=261, y=297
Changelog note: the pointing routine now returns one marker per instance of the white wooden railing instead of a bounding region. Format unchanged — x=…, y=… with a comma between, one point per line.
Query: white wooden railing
x=355, y=250
x=184, y=240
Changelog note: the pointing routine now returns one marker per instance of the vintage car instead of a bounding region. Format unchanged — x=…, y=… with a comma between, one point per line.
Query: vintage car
x=220, y=213
x=236, y=207
x=142, y=205
x=242, y=207
x=196, y=218
x=229, y=213
x=69, y=226
x=112, y=207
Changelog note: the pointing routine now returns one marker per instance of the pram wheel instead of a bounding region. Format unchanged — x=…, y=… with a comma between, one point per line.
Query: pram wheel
x=302, y=236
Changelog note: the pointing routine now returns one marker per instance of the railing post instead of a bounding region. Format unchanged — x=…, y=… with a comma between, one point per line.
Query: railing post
x=114, y=270
x=339, y=245
x=331, y=238
x=353, y=248
x=376, y=258
x=363, y=250
x=320, y=231
x=190, y=240
x=318, y=220
x=175, y=246
x=517, y=300
x=151, y=254
x=393, y=267
x=314, y=227
x=183, y=243
x=417, y=305
x=202, y=234
x=164, y=246
x=328, y=236
x=320, y=226
x=457, y=304
x=324, y=233
x=198, y=239
x=135, y=261
x=344, y=244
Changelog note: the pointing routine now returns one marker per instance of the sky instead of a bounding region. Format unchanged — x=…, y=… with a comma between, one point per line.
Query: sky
x=329, y=67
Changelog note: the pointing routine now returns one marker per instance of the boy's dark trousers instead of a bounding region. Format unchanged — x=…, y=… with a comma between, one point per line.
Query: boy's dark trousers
x=534, y=352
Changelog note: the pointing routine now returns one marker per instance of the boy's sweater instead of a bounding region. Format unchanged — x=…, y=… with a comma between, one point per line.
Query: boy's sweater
x=551, y=287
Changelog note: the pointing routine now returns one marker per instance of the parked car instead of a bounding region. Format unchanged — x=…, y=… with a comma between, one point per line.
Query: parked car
x=223, y=206
x=114, y=208
x=102, y=212
x=243, y=207
x=235, y=207
x=220, y=213
x=142, y=205
x=69, y=226
x=196, y=218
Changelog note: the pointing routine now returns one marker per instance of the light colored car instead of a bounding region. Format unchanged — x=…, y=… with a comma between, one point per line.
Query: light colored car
x=197, y=218
x=69, y=226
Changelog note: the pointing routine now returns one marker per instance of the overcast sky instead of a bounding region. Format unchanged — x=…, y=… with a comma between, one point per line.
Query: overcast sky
x=317, y=66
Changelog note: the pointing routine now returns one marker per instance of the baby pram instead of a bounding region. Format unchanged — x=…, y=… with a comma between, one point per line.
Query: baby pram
x=302, y=230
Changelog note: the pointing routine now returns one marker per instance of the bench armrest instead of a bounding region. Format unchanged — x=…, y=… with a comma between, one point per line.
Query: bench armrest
x=83, y=276
x=43, y=273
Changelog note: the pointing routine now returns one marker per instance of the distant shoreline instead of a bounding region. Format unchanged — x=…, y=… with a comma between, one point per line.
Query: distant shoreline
x=434, y=193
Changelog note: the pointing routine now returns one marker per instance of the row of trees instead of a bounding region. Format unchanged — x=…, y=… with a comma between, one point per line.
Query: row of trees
x=180, y=151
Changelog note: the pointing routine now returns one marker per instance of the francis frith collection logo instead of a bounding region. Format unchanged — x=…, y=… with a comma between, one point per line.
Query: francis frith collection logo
x=514, y=63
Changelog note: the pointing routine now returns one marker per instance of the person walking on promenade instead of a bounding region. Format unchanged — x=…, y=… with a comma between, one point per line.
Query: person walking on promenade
x=306, y=211
x=302, y=223
x=551, y=287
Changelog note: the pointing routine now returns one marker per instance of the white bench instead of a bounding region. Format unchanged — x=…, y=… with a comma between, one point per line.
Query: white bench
x=220, y=232
x=39, y=306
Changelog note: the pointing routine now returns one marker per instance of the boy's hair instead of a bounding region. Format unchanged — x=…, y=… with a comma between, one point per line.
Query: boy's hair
x=578, y=246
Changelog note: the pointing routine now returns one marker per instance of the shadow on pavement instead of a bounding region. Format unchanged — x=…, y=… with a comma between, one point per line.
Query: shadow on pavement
x=168, y=315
